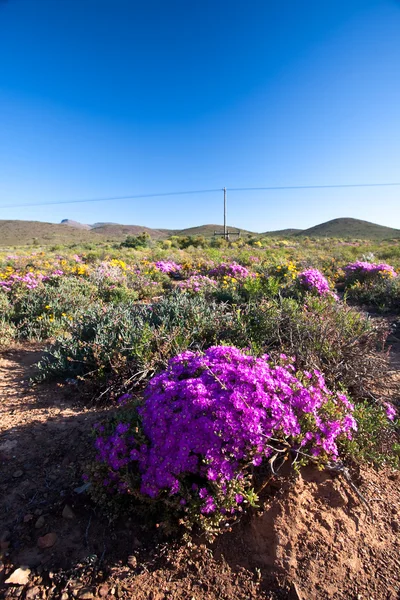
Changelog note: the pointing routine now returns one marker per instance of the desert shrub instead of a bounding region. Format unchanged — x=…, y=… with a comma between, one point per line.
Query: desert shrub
x=321, y=334
x=48, y=309
x=116, y=293
x=364, y=271
x=208, y=425
x=143, y=240
x=383, y=295
x=7, y=332
x=261, y=286
x=5, y=304
x=121, y=345
x=313, y=281
x=377, y=440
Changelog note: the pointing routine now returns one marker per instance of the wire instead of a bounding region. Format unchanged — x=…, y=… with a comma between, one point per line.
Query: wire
x=110, y=198
x=161, y=194
x=311, y=187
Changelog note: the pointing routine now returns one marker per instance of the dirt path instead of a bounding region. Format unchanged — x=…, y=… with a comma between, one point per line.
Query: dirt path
x=315, y=533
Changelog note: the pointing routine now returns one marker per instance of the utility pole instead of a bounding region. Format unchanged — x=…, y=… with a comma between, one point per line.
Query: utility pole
x=225, y=233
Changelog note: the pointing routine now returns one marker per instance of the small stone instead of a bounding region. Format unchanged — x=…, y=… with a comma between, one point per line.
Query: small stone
x=68, y=513
x=33, y=593
x=132, y=561
x=40, y=522
x=28, y=518
x=85, y=594
x=47, y=541
x=38, y=511
x=103, y=591
x=18, y=473
x=64, y=596
x=395, y=526
x=19, y=576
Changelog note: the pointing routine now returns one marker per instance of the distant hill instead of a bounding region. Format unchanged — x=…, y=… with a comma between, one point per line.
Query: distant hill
x=281, y=233
x=114, y=231
x=75, y=224
x=350, y=228
x=21, y=233
x=24, y=233
x=208, y=230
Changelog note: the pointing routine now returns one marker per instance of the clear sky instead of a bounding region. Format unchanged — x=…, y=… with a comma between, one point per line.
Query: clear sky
x=118, y=97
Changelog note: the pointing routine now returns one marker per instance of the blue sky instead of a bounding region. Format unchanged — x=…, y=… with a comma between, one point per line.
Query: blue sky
x=104, y=98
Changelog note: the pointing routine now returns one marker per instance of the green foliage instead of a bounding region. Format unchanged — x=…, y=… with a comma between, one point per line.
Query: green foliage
x=377, y=440
x=383, y=296
x=143, y=240
x=338, y=340
x=7, y=332
x=48, y=309
x=131, y=341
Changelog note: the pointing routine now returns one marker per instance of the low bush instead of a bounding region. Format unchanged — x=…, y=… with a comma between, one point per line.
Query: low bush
x=336, y=339
x=49, y=308
x=122, y=345
x=383, y=296
x=208, y=423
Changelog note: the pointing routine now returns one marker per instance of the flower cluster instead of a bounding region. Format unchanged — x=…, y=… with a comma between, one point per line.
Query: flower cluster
x=198, y=283
x=313, y=280
x=167, y=266
x=29, y=280
x=208, y=417
x=230, y=270
x=362, y=270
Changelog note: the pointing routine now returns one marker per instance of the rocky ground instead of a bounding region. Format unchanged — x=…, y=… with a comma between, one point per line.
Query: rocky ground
x=315, y=538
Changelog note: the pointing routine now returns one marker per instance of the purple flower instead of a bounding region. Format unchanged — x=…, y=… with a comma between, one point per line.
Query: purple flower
x=390, y=411
x=313, y=280
x=209, y=416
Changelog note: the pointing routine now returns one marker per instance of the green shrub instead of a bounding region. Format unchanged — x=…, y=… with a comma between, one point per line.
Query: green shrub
x=377, y=440
x=338, y=340
x=48, y=309
x=7, y=332
x=120, y=346
x=383, y=296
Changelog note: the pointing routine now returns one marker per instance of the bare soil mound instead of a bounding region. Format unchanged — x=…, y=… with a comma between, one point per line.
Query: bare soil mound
x=314, y=538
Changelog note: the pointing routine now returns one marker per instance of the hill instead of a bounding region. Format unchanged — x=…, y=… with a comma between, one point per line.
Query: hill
x=350, y=228
x=75, y=224
x=115, y=231
x=21, y=233
x=24, y=233
x=281, y=233
x=208, y=230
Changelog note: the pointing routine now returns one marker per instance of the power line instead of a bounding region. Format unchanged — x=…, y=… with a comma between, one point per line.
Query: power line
x=158, y=194
x=312, y=187
x=180, y=193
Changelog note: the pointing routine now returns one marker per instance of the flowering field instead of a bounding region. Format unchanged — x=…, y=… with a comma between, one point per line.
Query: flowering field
x=225, y=368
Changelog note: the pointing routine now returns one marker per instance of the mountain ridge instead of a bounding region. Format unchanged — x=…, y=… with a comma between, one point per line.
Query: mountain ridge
x=19, y=232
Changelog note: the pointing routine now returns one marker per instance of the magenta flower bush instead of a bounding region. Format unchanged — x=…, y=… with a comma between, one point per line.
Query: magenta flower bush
x=29, y=280
x=230, y=270
x=366, y=271
x=167, y=266
x=198, y=283
x=209, y=419
x=313, y=280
